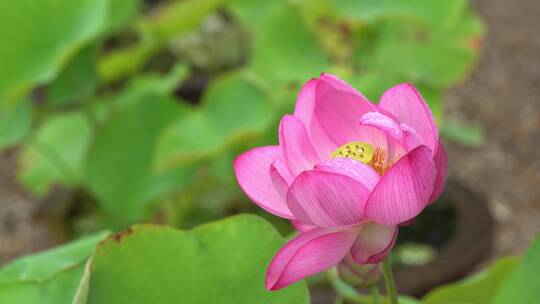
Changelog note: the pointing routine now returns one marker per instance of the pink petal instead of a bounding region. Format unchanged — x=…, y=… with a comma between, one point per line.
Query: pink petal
x=398, y=137
x=394, y=135
x=252, y=170
x=339, y=113
x=307, y=254
x=326, y=199
x=407, y=222
x=372, y=135
x=361, y=172
x=306, y=101
x=384, y=123
x=302, y=227
x=296, y=146
x=330, y=102
x=379, y=257
x=441, y=163
x=304, y=111
x=281, y=166
x=339, y=84
x=280, y=184
x=406, y=103
x=404, y=190
x=411, y=138
x=395, y=150
x=373, y=243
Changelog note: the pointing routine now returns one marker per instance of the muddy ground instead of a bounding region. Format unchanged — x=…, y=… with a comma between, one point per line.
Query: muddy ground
x=502, y=96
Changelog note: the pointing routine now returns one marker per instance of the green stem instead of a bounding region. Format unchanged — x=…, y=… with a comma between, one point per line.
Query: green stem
x=375, y=294
x=389, y=281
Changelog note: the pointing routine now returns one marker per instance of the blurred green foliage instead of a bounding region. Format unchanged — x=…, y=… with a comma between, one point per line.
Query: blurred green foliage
x=106, y=96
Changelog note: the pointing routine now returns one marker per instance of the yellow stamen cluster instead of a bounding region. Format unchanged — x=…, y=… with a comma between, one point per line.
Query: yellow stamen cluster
x=364, y=152
x=357, y=150
x=378, y=160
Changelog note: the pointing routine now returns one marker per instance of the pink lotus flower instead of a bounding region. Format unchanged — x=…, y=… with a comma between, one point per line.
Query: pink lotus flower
x=346, y=173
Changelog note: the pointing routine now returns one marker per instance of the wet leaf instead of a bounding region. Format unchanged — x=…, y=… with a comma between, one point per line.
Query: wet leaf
x=49, y=277
x=479, y=289
x=522, y=286
x=221, y=262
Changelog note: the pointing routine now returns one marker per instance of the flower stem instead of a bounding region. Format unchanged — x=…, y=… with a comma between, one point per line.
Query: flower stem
x=375, y=294
x=389, y=281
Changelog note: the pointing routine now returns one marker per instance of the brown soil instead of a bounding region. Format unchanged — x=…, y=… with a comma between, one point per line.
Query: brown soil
x=21, y=232
x=503, y=97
